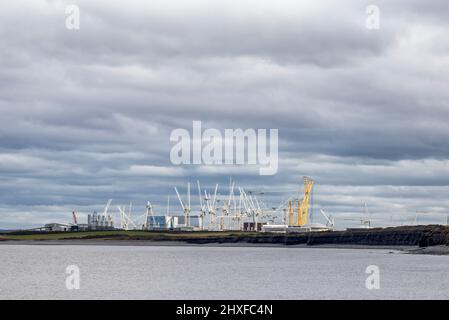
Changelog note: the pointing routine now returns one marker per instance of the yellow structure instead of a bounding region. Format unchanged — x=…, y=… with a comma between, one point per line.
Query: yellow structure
x=302, y=206
x=290, y=213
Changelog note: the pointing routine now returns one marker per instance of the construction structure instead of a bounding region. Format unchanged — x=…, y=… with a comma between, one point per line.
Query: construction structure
x=296, y=215
x=366, y=222
x=236, y=210
x=216, y=213
x=102, y=221
x=302, y=206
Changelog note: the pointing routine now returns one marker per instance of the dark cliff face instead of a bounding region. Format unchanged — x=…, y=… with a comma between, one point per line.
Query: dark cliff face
x=422, y=236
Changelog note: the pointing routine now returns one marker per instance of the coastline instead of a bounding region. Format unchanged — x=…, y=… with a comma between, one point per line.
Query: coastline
x=143, y=243
x=429, y=239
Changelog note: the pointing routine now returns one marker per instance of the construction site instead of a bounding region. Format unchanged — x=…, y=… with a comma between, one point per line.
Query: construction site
x=208, y=210
x=211, y=211
x=235, y=217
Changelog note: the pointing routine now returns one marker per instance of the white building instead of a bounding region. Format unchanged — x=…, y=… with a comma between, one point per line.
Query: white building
x=57, y=227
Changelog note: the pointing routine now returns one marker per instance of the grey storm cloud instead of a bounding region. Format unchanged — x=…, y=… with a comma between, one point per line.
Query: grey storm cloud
x=86, y=115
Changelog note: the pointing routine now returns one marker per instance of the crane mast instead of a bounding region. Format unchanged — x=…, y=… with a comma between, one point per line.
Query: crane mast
x=303, y=204
x=290, y=212
x=75, y=220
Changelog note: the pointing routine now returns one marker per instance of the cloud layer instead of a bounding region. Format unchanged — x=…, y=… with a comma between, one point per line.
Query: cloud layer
x=86, y=115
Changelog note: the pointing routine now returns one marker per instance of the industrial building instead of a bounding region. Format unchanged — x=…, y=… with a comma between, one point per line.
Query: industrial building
x=251, y=226
x=57, y=227
x=97, y=221
x=162, y=222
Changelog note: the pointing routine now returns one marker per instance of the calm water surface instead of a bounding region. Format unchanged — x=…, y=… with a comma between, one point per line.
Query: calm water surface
x=169, y=272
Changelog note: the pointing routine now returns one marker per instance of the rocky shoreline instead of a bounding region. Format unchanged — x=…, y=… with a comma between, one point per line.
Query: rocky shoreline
x=429, y=239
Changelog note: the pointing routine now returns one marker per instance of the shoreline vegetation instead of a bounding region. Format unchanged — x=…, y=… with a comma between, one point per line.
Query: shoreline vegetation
x=425, y=239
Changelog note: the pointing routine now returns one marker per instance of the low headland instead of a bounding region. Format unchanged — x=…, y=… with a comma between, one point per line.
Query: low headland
x=431, y=239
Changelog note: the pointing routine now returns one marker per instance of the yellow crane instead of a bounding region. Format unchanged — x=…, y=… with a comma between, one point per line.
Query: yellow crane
x=302, y=205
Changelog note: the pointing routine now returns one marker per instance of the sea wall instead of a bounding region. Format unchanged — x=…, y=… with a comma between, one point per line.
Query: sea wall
x=422, y=236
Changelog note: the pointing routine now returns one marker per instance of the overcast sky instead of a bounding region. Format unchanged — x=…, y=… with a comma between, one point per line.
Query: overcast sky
x=86, y=114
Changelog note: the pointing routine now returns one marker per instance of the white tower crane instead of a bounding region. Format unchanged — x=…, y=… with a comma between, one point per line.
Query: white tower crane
x=187, y=208
x=202, y=206
x=126, y=220
x=330, y=221
x=148, y=213
x=210, y=205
